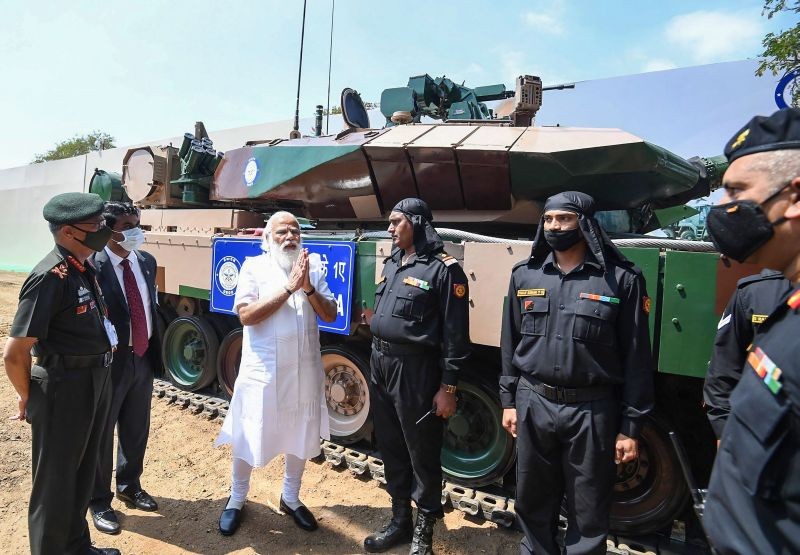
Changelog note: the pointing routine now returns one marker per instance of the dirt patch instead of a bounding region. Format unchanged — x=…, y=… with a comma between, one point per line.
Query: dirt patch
x=190, y=480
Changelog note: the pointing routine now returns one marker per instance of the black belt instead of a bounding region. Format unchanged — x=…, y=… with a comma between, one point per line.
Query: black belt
x=75, y=361
x=400, y=349
x=568, y=395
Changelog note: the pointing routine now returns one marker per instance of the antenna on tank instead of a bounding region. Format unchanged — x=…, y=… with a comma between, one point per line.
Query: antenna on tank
x=330, y=65
x=295, y=134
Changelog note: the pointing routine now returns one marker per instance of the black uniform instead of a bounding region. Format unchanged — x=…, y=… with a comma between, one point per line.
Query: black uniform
x=754, y=299
x=421, y=339
x=60, y=304
x=753, y=501
x=132, y=385
x=577, y=367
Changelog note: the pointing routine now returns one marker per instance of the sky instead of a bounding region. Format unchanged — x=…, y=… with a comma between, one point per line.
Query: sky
x=145, y=70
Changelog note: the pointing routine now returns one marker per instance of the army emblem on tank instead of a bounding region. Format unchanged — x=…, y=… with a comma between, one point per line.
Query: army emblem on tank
x=228, y=275
x=250, y=172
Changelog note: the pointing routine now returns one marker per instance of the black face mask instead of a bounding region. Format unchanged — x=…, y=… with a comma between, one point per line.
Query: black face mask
x=563, y=240
x=95, y=240
x=740, y=228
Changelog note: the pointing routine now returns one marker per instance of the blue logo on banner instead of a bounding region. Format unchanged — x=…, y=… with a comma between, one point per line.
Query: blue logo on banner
x=336, y=258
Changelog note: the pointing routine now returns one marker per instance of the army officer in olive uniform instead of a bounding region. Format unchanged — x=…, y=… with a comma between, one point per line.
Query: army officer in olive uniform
x=420, y=343
x=65, y=395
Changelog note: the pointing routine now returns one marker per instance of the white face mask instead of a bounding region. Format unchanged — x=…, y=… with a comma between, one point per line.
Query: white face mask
x=134, y=238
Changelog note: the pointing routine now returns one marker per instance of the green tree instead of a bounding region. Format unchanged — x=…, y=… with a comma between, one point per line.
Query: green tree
x=96, y=140
x=782, y=51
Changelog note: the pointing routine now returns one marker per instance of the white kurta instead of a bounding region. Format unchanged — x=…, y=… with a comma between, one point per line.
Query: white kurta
x=278, y=403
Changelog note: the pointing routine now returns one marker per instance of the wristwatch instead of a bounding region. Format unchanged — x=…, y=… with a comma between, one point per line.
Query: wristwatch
x=449, y=388
x=309, y=293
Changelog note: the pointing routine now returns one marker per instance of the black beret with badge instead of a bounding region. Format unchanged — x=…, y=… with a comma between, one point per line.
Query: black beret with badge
x=779, y=131
x=68, y=208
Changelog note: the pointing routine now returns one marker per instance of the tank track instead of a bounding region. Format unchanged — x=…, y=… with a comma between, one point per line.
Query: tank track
x=474, y=502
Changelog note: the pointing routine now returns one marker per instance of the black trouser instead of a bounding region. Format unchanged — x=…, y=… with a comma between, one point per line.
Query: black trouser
x=564, y=449
x=132, y=390
x=401, y=391
x=67, y=410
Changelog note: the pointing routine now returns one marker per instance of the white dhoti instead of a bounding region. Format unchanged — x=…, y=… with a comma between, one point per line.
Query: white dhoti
x=278, y=404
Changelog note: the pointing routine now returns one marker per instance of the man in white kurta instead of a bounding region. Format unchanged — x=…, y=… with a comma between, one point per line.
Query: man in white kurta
x=278, y=404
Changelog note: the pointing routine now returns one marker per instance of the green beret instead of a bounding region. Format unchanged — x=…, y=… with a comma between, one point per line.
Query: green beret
x=68, y=208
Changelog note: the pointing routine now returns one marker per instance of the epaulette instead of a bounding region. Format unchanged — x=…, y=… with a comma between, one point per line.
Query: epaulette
x=764, y=275
x=61, y=270
x=447, y=259
x=794, y=300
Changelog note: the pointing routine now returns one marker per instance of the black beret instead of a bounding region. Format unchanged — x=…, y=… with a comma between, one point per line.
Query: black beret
x=779, y=131
x=68, y=208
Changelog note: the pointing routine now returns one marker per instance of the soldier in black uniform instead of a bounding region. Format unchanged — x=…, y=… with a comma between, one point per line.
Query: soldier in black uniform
x=753, y=503
x=755, y=297
x=420, y=343
x=577, y=375
x=65, y=395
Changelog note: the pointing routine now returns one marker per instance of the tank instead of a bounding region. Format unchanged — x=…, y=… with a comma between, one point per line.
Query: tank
x=485, y=177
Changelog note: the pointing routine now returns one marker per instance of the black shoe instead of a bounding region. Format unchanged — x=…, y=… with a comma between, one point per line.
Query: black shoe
x=229, y=520
x=103, y=551
x=301, y=515
x=140, y=500
x=105, y=520
x=422, y=544
x=399, y=530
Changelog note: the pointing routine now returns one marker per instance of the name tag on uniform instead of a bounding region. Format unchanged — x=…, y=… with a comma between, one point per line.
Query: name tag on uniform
x=758, y=318
x=599, y=298
x=531, y=292
x=414, y=282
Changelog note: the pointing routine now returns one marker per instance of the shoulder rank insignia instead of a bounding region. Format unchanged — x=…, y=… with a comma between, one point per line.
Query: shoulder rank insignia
x=600, y=298
x=459, y=290
x=416, y=282
x=447, y=259
x=531, y=292
x=60, y=270
x=794, y=300
x=763, y=366
x=758, y=318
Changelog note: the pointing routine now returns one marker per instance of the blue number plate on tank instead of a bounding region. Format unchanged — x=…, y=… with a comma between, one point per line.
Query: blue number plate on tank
x=337, y=259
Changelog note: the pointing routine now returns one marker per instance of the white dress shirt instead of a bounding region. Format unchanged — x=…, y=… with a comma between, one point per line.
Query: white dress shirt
x=140, y=281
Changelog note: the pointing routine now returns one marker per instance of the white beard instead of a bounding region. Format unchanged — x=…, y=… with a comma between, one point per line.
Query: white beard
x=285, y=259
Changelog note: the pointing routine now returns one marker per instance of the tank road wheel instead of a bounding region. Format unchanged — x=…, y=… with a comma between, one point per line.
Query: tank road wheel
x=650, y=492
x=228, y=359
x=189, y=352
x=347, y=394
x=477, y=450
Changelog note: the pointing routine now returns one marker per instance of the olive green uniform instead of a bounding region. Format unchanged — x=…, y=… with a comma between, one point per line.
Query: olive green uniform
x=60, y=304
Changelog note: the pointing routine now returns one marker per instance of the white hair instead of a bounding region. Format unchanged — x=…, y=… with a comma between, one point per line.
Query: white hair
x=265, y=236
x=782, y=165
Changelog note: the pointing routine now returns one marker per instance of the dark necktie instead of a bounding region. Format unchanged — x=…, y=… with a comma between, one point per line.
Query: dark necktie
x=136, y=309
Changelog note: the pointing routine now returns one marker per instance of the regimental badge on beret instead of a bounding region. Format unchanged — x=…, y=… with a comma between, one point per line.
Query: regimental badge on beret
x=780, y=131
x=68, y=208
x=459, y=290
x=739, y=140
